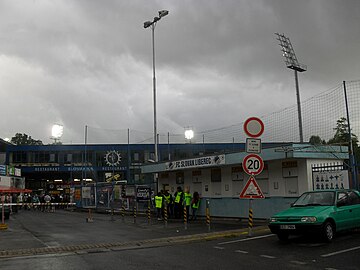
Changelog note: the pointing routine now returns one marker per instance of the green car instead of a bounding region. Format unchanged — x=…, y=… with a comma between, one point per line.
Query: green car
x=322, y=212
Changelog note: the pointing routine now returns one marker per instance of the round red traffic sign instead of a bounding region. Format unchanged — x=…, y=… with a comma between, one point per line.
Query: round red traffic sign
x=253, y=164
x=254, y=127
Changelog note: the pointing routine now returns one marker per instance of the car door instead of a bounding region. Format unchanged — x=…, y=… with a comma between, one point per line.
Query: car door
x=344, y=211
x=354, y=199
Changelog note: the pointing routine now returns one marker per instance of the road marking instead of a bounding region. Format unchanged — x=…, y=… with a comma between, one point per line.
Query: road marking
x=246, y=239
x=339, y=252
x=267, y=256
x=219, y=247
x=241, y=251
x=298, y=262
x=330, y=268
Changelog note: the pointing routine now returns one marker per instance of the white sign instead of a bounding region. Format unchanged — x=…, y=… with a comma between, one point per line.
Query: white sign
x=253, y=145
x=253, y=127
x=253, y=164
x=196, y=162
x=86, y=192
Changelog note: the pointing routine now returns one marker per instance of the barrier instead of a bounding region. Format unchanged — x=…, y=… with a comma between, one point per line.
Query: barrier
x=185, y=217
x=135, y=211
x=207, y=210
x=165, y=215
x=149, y=212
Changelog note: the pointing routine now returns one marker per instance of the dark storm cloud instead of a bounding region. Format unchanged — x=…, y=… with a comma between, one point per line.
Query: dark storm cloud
x=89, y=62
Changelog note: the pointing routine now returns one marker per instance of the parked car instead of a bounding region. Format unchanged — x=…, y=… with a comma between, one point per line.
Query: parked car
x=6, y=212
x=322, y=212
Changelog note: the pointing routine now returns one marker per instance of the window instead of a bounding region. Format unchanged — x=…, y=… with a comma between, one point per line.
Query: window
x=136, y=156
x=216, y=175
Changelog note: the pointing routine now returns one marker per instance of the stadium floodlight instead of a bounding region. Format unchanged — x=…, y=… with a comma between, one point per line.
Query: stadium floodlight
x=189, y=134
x=147, y=24
x=292, y=63
x=56, y=132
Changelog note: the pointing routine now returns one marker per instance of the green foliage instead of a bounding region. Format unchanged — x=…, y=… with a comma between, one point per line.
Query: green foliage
x=316, y=140
x=342, y=133
x=24, y=139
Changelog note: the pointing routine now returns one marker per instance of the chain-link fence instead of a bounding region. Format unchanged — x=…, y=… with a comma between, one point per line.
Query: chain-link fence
x=319, y=115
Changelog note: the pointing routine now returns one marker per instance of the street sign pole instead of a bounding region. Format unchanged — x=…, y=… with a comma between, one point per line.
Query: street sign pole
x=250, y=223
x=252, y=164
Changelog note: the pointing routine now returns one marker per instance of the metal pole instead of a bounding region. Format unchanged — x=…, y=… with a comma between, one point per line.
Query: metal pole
x=250, y=218
x=129, y=157
x=208, y=214
x=298, y=106
x=154, y=92
x=351, y=147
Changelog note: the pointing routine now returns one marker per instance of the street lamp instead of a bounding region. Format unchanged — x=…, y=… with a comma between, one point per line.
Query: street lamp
x=147, y=24
x=189, y=134
x=56, y=132
x=292, y=63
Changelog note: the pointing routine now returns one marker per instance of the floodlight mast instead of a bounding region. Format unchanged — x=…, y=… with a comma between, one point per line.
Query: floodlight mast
x=292, y=63
x=147, y=24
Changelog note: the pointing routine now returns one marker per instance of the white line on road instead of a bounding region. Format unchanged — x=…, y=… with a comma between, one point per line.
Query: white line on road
x=267, y=256
x=219, y=247
x=298, y=262
x=339, y=252
x=246, y=239
x=241, y=251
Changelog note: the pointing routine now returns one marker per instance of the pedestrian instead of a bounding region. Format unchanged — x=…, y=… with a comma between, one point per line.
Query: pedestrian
x=19, y=200
x=169, y=203
x=195, y=203
x=187, y=202
x=47, y=200
x=159, y=205
x=36, y=201
x=178, y=202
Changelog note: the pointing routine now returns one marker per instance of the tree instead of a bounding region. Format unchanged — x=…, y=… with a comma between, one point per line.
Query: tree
x=342, y=133
x=342, y=137
x=24, y=139
x=316, y=140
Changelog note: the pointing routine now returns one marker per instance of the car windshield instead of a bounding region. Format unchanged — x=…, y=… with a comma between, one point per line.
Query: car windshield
x=315, y=198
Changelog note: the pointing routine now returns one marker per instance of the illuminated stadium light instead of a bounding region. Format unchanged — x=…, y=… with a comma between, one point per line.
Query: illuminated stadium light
x=56, y=132
x=189, y=134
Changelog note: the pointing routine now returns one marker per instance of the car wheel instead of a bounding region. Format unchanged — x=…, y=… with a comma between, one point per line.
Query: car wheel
x=283, y=236
x=328, y=231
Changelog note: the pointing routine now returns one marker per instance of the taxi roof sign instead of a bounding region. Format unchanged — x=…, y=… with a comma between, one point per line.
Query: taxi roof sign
x=251, y=190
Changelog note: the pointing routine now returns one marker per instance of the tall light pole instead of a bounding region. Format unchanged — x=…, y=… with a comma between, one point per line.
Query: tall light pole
x=292, y=63
x=162, y=13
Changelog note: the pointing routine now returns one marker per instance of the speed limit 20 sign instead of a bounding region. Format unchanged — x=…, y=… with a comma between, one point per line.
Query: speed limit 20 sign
x=253, y=164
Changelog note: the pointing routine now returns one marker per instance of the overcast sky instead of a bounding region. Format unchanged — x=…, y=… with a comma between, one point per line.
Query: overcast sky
x=83, y=62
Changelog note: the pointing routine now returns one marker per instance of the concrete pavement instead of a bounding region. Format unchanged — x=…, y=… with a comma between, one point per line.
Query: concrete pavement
x=36, y=233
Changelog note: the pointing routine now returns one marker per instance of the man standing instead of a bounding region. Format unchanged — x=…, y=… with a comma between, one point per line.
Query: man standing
x=178, y=202
x=187, y=201
x=159, y=205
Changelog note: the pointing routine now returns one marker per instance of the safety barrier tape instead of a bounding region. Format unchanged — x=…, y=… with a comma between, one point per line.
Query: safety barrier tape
x=35, y=204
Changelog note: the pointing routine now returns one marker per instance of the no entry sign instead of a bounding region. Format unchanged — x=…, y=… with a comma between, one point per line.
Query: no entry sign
x=253, y=164
x=253, y=127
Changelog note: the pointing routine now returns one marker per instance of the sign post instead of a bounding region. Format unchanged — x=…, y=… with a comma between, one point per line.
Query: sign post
x=252, y=164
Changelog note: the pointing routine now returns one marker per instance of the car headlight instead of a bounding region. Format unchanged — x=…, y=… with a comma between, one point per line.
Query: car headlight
x=308, y=219
x=273, y=219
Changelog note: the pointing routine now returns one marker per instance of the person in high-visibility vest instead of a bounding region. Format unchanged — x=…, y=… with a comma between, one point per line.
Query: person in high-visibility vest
x=195, y=203
x=169, y=203
x=178, y=202
x=159, y=205
x=187, y=201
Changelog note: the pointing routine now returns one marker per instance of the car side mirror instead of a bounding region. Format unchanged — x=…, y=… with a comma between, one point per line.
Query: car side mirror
x=339, y=204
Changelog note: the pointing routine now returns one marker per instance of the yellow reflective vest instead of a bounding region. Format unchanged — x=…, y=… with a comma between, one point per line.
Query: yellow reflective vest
x=158, y=201
x=178, y=196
